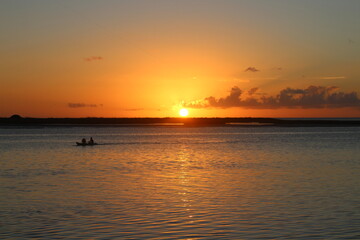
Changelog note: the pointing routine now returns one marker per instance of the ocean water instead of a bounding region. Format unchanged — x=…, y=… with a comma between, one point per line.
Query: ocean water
x=180, y=183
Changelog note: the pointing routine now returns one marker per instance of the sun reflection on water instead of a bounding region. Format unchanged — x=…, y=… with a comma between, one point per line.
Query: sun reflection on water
x=184, y=181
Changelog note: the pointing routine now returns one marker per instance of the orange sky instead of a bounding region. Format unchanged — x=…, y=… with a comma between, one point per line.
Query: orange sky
x=147, y=59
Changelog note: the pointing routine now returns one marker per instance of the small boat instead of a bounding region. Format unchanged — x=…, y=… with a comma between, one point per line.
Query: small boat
x=85, y=144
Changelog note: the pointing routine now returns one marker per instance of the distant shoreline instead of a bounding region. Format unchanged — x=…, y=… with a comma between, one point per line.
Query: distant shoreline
x=187, y=122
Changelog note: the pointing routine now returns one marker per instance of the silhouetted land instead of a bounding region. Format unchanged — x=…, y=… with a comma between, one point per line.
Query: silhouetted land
x=16, y=120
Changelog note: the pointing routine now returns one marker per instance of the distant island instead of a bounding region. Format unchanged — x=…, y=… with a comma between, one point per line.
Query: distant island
x=17, y=120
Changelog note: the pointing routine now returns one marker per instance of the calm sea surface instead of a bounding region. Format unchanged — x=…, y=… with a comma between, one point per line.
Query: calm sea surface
x=180, y=183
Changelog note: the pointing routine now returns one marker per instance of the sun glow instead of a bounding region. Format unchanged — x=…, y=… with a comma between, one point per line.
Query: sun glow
x=183, y=112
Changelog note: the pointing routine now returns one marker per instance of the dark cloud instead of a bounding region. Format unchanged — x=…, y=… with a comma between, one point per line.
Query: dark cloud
x=251, y=69
x=350, y=41
x=310, y=97
x=93, y=58
x=232, y=100
x=252, y=91
x=81, y=105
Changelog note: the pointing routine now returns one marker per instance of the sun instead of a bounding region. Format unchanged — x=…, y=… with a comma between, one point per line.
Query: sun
x=184, y=112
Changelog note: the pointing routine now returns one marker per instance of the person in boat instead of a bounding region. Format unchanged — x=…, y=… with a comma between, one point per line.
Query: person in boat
x=91, y=141
x=83, y=141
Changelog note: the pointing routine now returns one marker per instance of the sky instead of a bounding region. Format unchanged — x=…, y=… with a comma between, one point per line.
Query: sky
x=150, y=58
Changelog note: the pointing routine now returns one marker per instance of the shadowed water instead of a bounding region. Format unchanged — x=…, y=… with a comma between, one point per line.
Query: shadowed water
x=180, y=183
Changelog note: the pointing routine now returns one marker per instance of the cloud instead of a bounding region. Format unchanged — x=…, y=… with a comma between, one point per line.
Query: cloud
x=93, y=58
x=252, y=91
x=251, y=69
x=242, y=80
x=134, y=109
x=333, y=78
x=310, y=97
x=81, y=105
